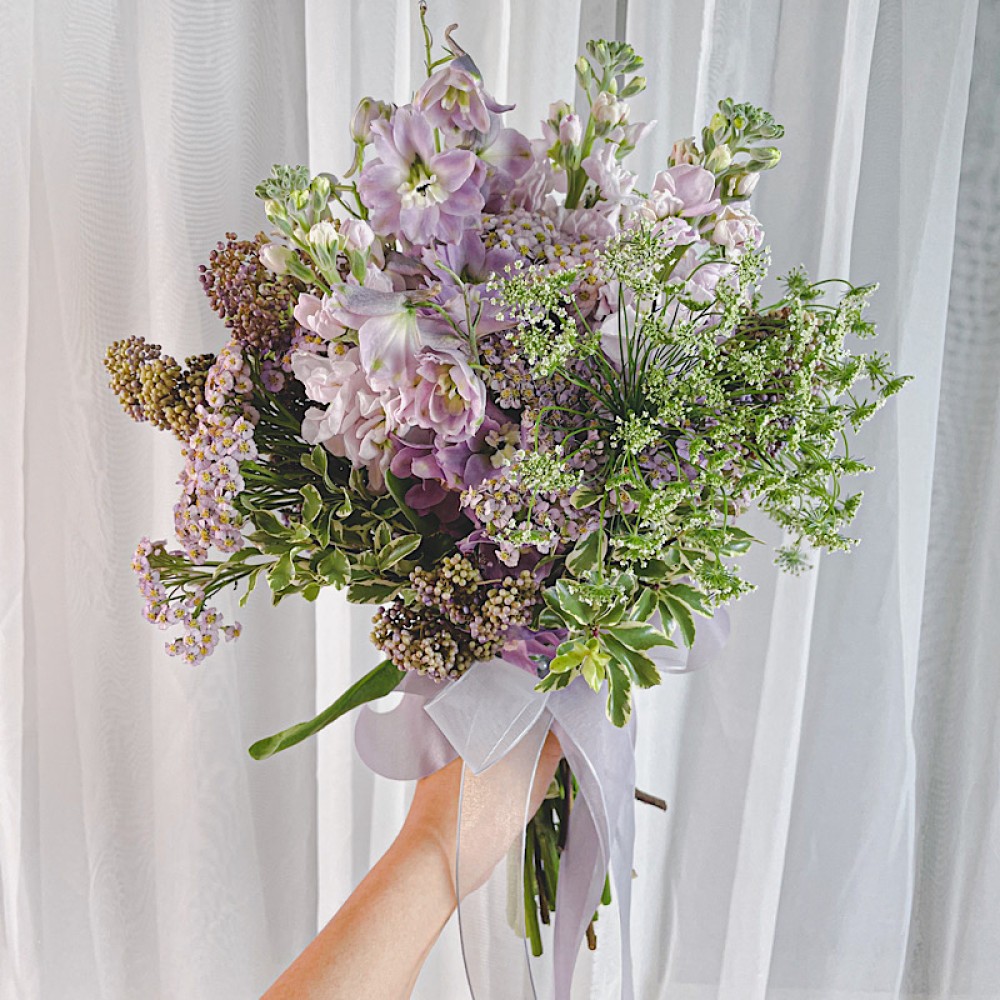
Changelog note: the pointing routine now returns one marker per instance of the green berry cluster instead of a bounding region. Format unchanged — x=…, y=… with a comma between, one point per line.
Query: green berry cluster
x=455, y=618
x=154, y=388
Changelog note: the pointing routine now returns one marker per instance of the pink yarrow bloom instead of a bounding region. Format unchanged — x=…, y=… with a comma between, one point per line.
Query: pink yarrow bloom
x=412, y=190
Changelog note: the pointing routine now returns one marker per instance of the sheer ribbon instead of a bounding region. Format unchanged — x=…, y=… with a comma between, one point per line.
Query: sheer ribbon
x=494, y=719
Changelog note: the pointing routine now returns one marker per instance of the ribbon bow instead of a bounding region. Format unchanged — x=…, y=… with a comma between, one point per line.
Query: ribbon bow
x=493, y=714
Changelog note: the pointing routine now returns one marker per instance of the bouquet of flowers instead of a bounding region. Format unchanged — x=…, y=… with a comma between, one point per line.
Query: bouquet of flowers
x=510, y=396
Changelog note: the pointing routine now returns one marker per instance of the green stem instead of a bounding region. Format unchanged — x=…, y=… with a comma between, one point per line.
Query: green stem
x=531, y=928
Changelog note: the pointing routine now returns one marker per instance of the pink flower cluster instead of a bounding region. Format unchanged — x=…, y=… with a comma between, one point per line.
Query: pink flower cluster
x=204, y=516
x=202, y=625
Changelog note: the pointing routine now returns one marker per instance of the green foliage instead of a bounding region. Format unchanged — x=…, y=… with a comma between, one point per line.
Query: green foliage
x=753, y=403
x=374, y=685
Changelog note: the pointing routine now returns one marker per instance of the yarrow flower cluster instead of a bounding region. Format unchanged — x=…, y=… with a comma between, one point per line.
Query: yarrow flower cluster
x=202, y=626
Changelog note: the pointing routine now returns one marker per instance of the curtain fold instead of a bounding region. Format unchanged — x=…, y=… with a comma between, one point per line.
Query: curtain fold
x=833, y=824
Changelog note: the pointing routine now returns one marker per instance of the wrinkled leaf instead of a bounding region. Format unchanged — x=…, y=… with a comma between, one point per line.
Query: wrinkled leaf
x=587, y=553
x=371, y=592
x=335, y=568
x=279, y=576
x=639, y=635
x=619, y=695
x=682, y=615
x=641, y=668
x=316, y=460
x=689, y=596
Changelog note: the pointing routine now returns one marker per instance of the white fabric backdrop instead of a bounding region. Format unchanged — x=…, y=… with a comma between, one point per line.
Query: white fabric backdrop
x=833, y=780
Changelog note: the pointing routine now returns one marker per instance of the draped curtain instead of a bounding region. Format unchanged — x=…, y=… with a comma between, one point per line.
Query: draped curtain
x=832, y=780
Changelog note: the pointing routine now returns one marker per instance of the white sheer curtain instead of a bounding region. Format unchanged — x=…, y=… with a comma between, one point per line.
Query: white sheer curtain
x=833, y=781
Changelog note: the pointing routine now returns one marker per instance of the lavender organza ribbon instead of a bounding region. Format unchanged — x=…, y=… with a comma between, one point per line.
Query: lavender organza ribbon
x=483, y=716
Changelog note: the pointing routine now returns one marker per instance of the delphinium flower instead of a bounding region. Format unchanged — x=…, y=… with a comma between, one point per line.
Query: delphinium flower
x=455, y=619
x=255, y=303
x=415, y=191
x=453, y=100
x=154, y=388
x=461, y=272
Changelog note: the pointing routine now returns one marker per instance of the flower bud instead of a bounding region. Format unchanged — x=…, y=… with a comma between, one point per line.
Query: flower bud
x=366, y=114
x=608, y=110
x=358, y=236
x=571, y=130
x=324, y=236
x=764, y=158
x=275, y=256
x=685, y=151
x=742, y=185
x=558, y=110
x=719, y=159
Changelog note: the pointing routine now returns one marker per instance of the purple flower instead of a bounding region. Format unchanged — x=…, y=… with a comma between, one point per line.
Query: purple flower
x=474, y=264
x=353, y=423
x=538, y=181
x=508, y=157
x=686, y=190
x=414, y=191
x=453, y=100
x=357, y=234
x=446, y=397
x=318, y=316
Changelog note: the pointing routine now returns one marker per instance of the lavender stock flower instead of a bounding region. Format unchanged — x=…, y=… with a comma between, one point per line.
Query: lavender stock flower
x=414, y=191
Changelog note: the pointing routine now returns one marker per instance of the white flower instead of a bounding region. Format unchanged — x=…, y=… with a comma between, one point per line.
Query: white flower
x=275, y=256
x=736, y=228
x=608, y=110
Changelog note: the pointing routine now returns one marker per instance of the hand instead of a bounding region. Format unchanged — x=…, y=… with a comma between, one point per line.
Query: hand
x=493, y=815
x=377, y=942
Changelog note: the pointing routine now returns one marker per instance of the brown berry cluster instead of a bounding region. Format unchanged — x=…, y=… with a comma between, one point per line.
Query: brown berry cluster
x=154, y=388
x=456, y=619
x=255, y=304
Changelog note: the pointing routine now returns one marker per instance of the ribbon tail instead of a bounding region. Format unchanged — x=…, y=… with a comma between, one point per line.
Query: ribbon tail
x=602, y=826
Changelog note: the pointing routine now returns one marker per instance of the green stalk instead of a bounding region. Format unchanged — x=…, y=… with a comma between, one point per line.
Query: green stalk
x=531, y=928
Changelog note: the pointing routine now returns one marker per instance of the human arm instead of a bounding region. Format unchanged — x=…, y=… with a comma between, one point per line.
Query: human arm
x=376, y=943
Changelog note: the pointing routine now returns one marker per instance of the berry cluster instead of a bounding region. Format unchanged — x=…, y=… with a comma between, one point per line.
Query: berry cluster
x=154, y=388
x=456, y=619
x=255, y=304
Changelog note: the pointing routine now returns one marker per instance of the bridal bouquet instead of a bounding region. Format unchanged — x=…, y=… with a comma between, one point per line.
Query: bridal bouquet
x=512, y=396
